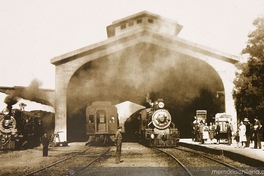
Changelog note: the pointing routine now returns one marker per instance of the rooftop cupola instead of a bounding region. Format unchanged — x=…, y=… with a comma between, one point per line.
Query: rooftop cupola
x=145, y=20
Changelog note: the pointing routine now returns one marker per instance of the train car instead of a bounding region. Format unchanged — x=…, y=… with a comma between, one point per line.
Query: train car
x=18, y=130
x=223, y=120
x=101, y=123
x=156, y=128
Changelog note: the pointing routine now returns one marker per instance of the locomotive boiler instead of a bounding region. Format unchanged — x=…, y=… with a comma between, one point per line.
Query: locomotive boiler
x=17, y=130
x=155, y=126
x=101, y=123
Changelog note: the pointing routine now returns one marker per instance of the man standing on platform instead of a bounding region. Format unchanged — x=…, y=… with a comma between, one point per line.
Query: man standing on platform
x=201, y=130
x=248, y=132
x=257, y=133
x=217, y=132
x=229, y=132
x=118, y=140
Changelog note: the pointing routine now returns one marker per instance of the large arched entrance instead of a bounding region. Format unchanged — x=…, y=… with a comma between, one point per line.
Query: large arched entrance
x=185, y=83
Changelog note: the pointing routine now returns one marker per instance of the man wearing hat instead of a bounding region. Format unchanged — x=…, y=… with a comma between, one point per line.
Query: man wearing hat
x=248, y=133
x=118, y=140
x=257, y=133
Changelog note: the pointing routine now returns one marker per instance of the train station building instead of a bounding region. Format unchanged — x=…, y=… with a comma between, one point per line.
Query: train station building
x=132, y=42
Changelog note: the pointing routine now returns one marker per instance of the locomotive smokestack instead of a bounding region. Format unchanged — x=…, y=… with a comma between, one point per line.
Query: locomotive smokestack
x=10, y=101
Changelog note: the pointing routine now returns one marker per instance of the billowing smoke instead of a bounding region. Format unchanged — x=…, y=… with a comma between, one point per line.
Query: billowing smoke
x=10, y=100
x=32, y=92
x=132, y=74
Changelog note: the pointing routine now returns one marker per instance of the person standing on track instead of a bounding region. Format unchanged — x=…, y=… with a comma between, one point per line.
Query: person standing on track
x=45, y=143
x=118, y=140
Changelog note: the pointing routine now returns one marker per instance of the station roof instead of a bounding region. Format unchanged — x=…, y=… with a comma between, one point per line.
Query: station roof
x=152, y=27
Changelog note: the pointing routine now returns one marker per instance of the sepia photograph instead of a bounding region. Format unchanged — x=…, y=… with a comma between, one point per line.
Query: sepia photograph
x=130, y=87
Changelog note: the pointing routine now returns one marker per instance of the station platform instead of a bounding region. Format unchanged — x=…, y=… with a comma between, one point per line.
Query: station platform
x=249, y=155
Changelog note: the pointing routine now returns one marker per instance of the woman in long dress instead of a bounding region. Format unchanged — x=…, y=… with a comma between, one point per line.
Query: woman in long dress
x=206, y=132
x=242, y=135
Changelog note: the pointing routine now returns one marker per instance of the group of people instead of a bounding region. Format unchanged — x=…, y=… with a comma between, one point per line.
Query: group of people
x=246, y=133
x=202, y=132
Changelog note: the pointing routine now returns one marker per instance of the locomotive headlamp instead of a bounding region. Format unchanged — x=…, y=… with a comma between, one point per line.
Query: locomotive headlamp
x=161, y=105
x=5, y=111
x=152, y=136
x=6, y=123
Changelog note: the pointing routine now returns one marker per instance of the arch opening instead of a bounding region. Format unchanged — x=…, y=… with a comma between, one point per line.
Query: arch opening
x=186, y=84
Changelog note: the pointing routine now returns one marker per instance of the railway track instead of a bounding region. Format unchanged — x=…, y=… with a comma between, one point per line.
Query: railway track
x=137, y=160
x=188, y=172
x=72, y=164
x=195, y=163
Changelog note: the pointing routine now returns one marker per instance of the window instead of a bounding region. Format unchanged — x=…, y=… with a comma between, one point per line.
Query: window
x=91, y=119
x=123, y=26
x=131, y=23
x=101, y=114
x=139, y=21
x=150, y=21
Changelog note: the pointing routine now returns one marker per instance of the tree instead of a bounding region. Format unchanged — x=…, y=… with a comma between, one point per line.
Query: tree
x=249, y=83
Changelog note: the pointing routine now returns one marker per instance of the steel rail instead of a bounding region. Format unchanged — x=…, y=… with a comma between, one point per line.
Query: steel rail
x=183, y=166
x=94, y=160
x=215, y=160
x=55, y=163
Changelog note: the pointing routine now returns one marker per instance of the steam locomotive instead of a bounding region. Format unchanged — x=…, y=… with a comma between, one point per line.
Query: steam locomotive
x=155, y=126
x=101, y=123
x=18, y=130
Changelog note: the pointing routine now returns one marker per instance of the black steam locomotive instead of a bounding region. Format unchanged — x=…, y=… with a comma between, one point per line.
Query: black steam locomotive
x=101, y=123
x=155, y=126
x=18, y=130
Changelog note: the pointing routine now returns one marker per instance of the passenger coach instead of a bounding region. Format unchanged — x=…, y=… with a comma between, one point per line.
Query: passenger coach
x=101, y=122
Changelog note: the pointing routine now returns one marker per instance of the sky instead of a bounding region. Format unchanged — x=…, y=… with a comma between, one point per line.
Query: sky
x=32, y=32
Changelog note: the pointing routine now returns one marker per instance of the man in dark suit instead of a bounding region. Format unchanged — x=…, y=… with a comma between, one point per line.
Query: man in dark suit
x=45, y=143
x=217, y=133
x=257, y=133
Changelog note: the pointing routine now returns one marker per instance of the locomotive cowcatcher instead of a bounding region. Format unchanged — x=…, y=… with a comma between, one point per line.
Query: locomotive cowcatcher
x=156, y=128
x=101, y=123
